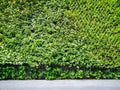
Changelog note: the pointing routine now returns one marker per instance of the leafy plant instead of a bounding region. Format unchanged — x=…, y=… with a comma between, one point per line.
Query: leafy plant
x=59, y=39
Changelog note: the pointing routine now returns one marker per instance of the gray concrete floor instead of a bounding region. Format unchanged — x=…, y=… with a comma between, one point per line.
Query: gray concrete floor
x=60, y=85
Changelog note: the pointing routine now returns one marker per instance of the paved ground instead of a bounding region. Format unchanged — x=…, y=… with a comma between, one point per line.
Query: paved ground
x=60, y=85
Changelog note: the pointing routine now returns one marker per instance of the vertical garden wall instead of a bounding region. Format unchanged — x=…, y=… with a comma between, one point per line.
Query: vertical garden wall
x=59, y=39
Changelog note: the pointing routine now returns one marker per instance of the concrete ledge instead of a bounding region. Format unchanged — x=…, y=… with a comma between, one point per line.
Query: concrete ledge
x=60, y=85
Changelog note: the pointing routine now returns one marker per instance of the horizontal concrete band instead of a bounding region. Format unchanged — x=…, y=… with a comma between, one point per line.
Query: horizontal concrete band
x=60, y=85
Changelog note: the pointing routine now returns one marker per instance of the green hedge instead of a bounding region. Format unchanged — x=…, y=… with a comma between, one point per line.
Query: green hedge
x=59, y=39
x=55, y=72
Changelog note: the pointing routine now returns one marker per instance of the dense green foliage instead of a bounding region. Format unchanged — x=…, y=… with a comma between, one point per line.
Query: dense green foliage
x=59, y=39
x=42, y=72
